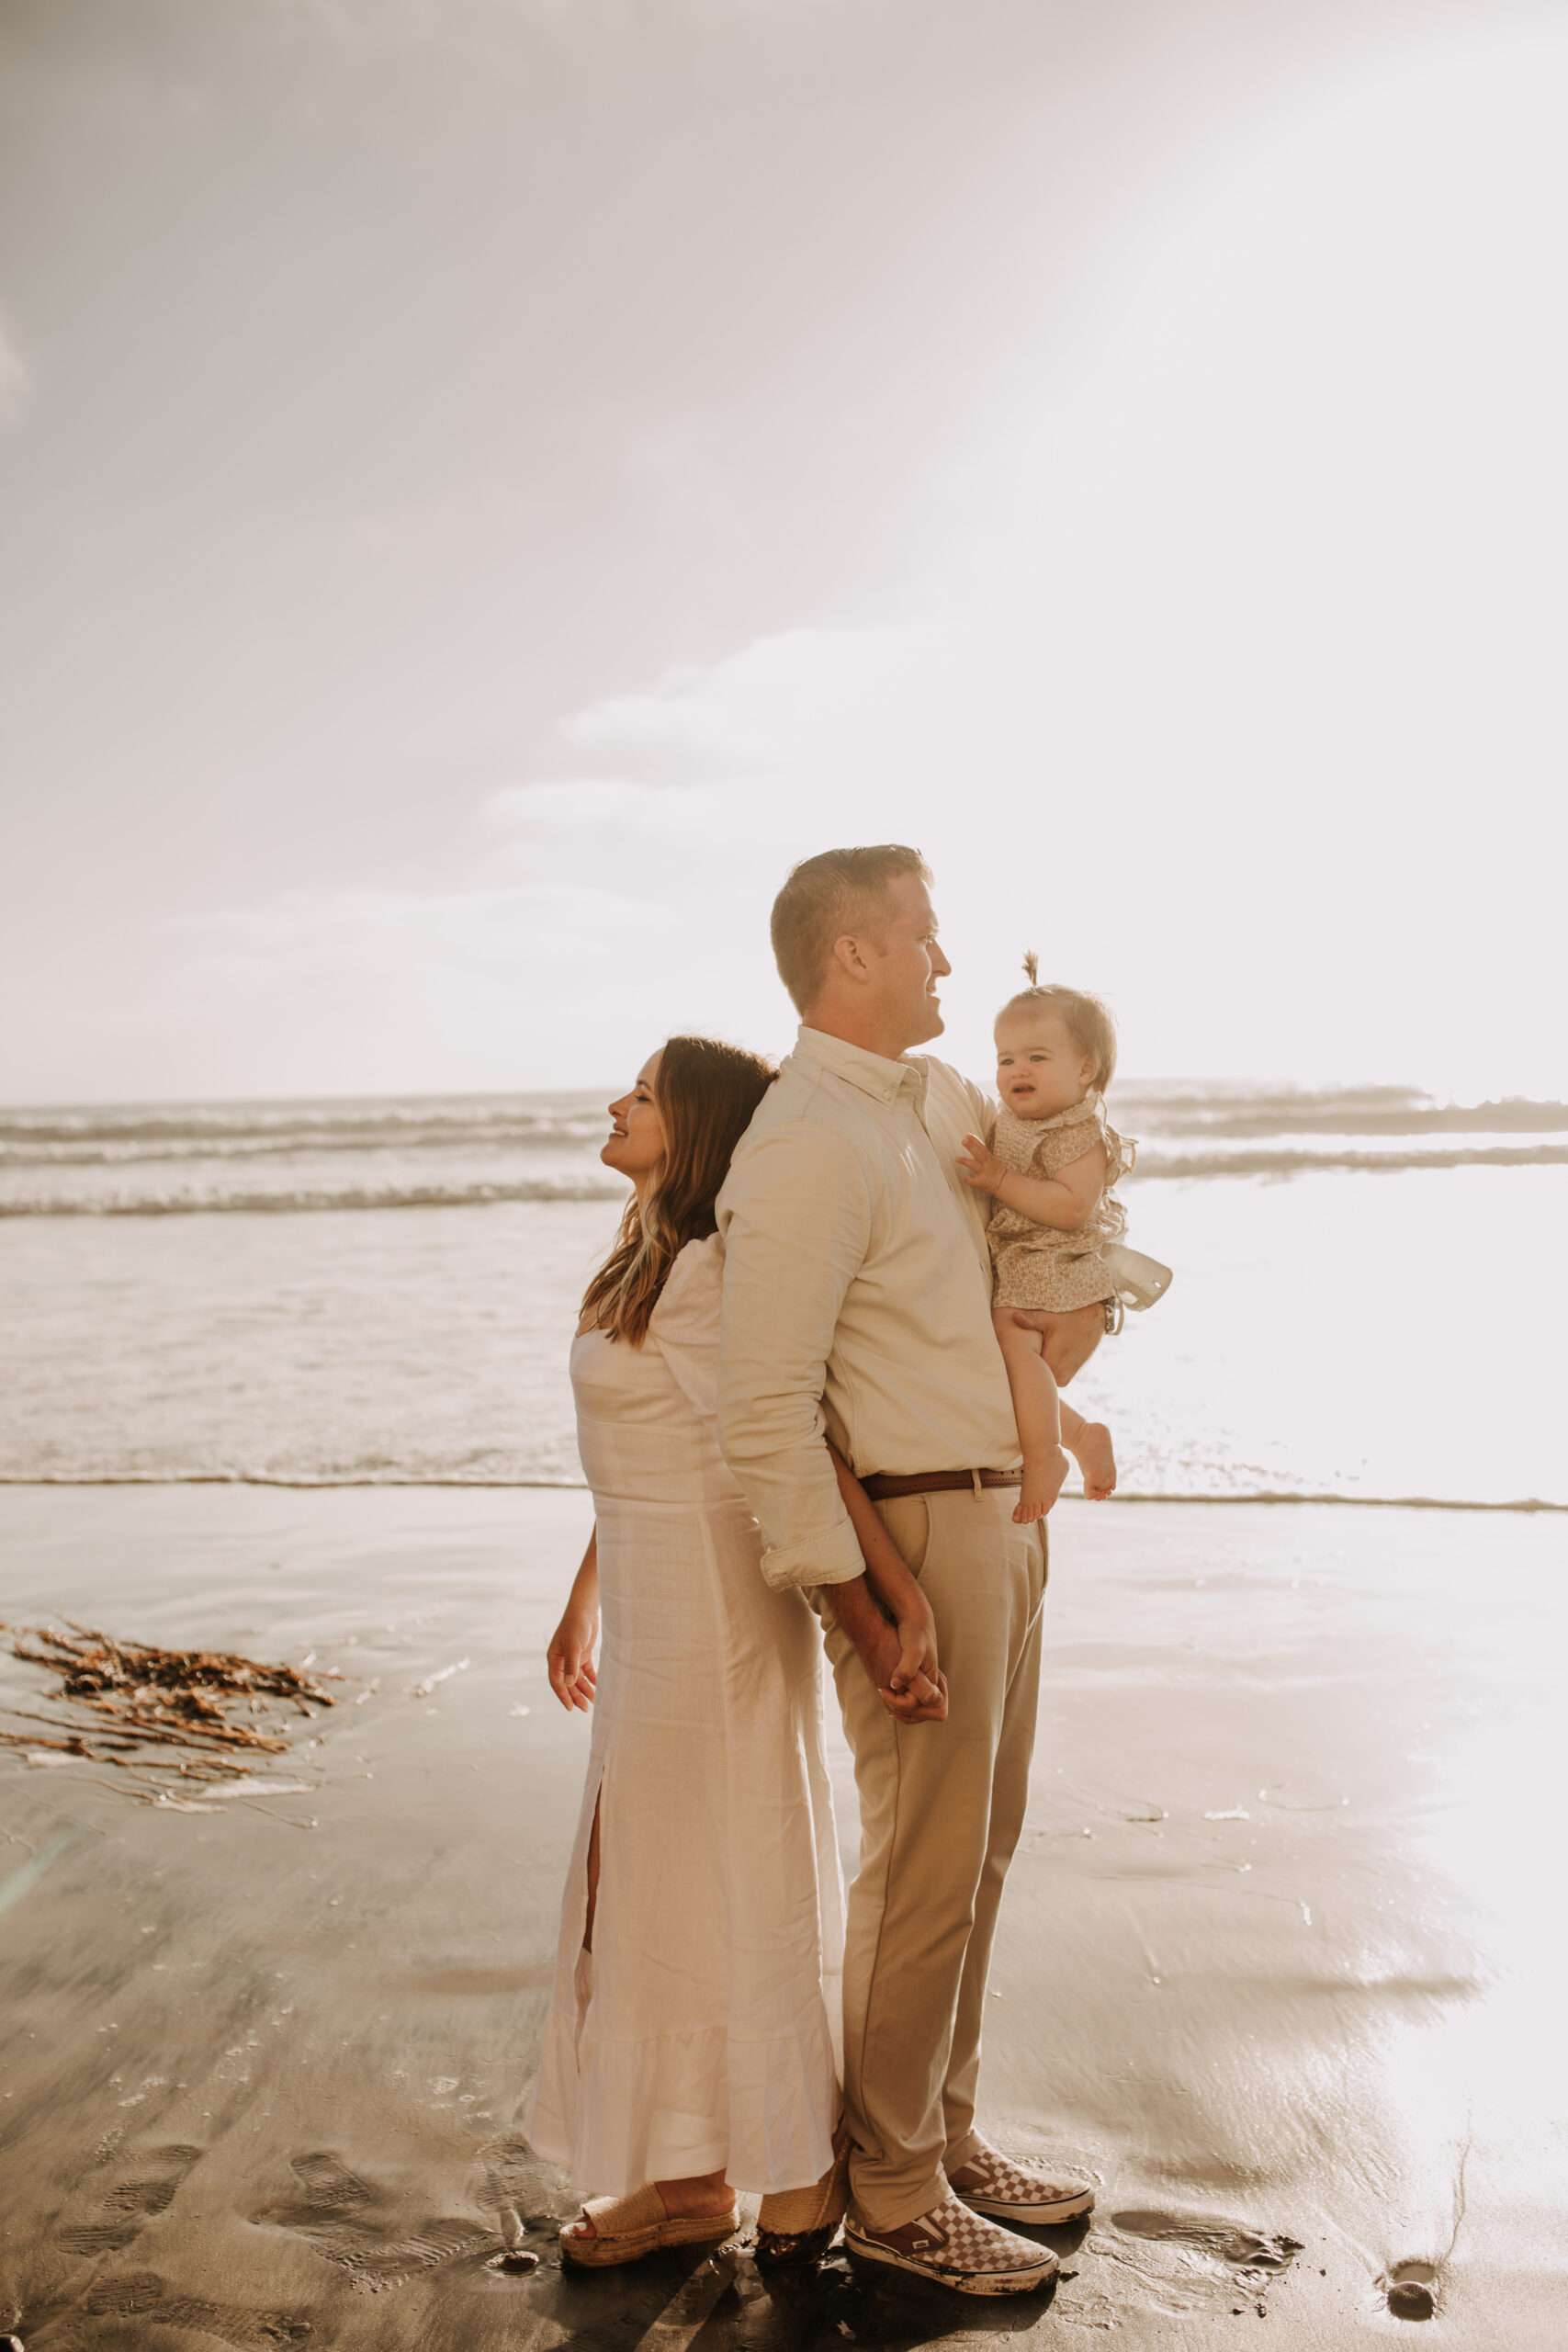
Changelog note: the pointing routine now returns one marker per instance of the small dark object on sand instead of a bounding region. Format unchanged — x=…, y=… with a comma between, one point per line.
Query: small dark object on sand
x=1411, y=2300
x=140, y=1696
x=12, y=2344
x=516, y=2257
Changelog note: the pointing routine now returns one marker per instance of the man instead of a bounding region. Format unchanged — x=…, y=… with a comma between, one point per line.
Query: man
x=856, y=1302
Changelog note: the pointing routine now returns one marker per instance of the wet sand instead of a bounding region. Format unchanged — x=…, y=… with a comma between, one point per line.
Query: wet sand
x=1278, y=1961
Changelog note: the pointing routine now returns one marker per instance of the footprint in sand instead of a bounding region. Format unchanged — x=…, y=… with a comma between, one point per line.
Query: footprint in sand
x=347, y=2221
x=133, y=2202
x=1197, y=2259
x=142, y=2294
x=516, y=2180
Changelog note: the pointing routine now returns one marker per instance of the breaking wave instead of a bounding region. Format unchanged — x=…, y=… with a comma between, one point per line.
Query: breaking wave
x=1300, y=1159
x=271, y=1158
x=307, y=1198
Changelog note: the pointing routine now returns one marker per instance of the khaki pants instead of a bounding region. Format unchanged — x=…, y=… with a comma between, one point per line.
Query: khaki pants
x=941, y=1806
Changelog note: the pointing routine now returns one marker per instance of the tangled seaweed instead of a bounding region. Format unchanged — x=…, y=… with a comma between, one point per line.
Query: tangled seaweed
x=209, y=1704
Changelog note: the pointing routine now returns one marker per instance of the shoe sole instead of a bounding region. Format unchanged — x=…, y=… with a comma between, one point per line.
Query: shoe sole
x=806, y=2248
x=961, y=2282
x=634, y=2245
x=1066, y=2209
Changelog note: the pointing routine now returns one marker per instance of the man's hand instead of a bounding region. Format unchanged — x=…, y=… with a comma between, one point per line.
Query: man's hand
x=886, y=1655
x=979, y=1167
x=571, y=1659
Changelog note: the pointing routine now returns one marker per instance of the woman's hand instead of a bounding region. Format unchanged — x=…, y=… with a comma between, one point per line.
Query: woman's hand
x=979, y=1167
x=880, y=1642
x=571, y=1657
x=916, y=1628
x=922, y=1697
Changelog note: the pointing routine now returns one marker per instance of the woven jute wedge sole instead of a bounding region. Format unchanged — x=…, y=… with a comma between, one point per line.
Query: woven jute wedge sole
x=626, y=2228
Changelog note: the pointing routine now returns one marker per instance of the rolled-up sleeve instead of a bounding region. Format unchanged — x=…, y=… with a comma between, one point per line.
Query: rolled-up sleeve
x=795, y=1216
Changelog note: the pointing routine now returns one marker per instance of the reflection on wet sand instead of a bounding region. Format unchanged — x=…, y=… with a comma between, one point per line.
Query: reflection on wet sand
x=1276, y=1964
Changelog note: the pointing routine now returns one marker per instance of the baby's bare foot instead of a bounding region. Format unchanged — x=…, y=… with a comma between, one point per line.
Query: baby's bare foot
x=1097, y=1460
x=1044, y=1476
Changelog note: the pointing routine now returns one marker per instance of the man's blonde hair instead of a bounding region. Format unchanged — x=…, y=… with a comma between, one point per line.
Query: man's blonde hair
x=1088, y=1021
x=837, y=891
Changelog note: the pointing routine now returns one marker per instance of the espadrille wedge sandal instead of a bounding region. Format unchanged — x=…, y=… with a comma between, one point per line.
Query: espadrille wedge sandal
x=797, y=2225
x=626, y=2228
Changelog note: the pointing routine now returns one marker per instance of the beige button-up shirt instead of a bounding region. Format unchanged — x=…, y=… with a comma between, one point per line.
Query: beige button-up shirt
x=857, y=1298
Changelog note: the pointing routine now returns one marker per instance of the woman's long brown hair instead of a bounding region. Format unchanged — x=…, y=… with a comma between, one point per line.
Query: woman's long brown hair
x=706, y=1093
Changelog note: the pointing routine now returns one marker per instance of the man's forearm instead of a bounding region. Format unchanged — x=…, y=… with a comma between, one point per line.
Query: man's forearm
x=854, y=1605
x=857, y=1612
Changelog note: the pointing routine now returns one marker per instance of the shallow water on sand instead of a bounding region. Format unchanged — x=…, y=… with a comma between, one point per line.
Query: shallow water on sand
x=1276, y=1962
x=1328, y=1333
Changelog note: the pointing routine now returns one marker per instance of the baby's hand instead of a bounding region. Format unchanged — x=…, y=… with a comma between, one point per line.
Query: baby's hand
x=978, y=1167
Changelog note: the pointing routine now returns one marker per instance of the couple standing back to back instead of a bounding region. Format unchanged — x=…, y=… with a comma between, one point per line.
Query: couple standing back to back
x=789, y=1387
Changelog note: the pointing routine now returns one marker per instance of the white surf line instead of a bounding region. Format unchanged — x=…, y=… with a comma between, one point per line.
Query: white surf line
x=688, y=2313
x=1526, y=1504
x=22, y=1882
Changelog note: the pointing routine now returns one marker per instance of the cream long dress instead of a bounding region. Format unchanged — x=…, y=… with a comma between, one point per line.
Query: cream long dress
x=704, y=2028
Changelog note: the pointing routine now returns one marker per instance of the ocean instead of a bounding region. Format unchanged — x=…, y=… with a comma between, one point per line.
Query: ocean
x=1369, y=1297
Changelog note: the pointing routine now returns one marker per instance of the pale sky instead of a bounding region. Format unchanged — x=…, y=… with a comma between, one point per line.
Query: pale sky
x=489, y=483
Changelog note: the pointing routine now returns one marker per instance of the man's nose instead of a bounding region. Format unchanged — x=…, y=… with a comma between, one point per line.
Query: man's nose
x=940, y=964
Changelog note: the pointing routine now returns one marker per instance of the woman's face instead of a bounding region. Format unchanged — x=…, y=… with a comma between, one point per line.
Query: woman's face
x=635, y=1144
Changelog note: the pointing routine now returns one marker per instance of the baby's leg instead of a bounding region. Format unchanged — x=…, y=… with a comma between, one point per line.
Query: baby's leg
x=1035, y=1410
x=1090, y=1444
x=1071, y=1337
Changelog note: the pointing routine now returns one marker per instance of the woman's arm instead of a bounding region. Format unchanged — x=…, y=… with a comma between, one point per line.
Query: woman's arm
x=1066, y=1201
x=570, y=1653
x=890, y=1580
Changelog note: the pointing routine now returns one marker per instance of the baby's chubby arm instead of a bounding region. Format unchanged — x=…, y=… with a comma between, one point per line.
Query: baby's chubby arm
x=1066, y=1201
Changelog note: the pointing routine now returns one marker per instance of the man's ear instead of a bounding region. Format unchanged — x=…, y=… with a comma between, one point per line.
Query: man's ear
x=850, y=956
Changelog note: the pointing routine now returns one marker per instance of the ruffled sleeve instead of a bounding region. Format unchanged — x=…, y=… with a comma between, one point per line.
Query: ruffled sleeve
x=685, y=1323
x=1120, y=1150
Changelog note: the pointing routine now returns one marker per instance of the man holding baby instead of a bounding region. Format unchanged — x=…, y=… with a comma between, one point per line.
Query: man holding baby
x=857, y=1306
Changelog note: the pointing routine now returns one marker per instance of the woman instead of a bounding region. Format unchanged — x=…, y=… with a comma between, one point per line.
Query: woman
x=692, y=2046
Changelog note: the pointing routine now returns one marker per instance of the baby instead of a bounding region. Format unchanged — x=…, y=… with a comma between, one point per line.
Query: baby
x=1049, y=1165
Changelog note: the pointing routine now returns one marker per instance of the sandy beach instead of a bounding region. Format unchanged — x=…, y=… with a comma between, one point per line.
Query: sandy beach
x=1277, y=1963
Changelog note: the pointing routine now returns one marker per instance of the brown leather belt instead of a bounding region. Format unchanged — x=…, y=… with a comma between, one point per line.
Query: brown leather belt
x=886, y=1485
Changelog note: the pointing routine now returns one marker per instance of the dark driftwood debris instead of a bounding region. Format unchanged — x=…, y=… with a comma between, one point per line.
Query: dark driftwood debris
x=211, y=1705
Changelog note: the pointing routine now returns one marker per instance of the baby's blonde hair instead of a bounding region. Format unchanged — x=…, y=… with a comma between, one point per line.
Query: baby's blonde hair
x=1088, y=1021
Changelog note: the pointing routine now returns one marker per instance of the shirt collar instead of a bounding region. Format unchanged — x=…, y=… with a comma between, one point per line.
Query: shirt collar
x=874, y=1074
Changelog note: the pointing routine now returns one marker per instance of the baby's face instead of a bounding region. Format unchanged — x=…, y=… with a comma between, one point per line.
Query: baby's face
x=1039, y=1069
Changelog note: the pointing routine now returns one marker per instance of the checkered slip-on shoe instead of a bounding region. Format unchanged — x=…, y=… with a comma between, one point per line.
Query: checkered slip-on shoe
x=991, y=2185
x=956, y=2248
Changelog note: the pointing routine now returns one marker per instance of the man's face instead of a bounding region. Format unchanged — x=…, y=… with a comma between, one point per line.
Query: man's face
x=909, y=964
